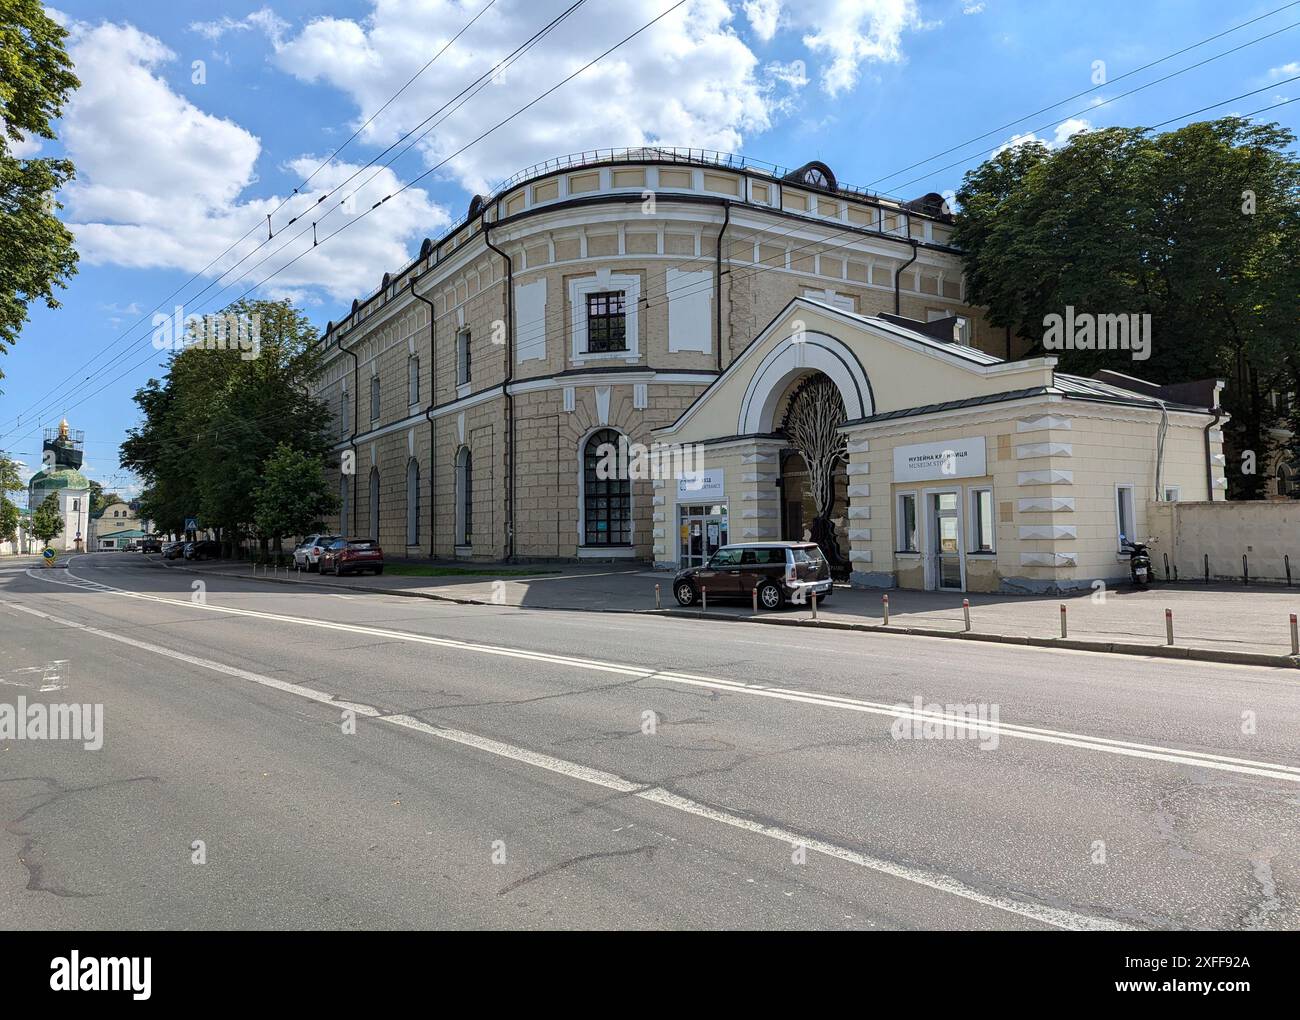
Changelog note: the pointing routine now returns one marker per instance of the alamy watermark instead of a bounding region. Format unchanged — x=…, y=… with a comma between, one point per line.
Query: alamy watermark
x=1084, y=331
x=919, y=721
x=658, y=461
x=39, y=721
x=223, y=331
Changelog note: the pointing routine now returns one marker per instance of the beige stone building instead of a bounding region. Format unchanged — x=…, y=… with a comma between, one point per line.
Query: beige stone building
x=674, y=297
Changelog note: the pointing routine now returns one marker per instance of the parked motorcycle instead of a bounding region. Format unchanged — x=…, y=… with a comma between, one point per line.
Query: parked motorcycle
x=1139, y=562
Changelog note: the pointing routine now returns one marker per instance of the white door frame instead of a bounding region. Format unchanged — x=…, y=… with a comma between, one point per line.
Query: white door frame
x=931, y=538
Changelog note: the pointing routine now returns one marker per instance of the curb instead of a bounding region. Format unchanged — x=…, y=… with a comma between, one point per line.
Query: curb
x=1075, y=644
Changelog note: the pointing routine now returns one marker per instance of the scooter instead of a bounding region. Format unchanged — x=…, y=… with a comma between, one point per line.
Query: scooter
x=1139, y=563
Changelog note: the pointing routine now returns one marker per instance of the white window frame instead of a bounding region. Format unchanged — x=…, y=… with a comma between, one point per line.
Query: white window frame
x=604, y=280
x=1121, y=487
x=899, y=519
x=844, y=302
x=1177, y=491
x=973, y=540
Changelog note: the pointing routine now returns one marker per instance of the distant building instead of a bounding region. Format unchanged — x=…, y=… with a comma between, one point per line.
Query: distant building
x=61, y=476
x=114, y=526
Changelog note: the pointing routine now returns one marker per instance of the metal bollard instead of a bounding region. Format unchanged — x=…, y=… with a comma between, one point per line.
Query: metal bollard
x=965, y=611
x=1169, y=626
x=704, y=598
x=658, y=602
x=1063, y=631
x=814, y=605
x=1295, y=637
x=755, y=594
x=885, y=599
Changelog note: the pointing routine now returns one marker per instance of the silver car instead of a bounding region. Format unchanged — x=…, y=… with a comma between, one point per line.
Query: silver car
x=306, y=555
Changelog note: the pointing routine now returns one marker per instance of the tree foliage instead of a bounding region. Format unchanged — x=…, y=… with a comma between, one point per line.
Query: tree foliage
x=1198, y=227
x=293, y=497
x=214, y=421
x=47, y=521
x=36, y=249
x=9, y=518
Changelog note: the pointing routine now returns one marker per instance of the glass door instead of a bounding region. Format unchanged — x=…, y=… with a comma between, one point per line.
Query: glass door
x=702, y=531
x=945, y=531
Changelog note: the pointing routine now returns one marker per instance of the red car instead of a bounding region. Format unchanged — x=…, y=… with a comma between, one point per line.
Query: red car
x=348, y=555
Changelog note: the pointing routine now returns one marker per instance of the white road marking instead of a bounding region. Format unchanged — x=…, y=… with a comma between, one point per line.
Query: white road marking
x=1105, y=745
x=1054, y=916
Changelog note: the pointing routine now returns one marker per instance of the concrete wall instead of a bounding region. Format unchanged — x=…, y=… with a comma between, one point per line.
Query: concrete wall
x=1264, y=532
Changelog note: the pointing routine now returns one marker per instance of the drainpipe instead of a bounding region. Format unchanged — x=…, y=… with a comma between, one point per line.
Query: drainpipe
x=352, y=439
x=717, y=280
x=505, y=388
x=1209, y=463
x=899, y=271
x=433, y=395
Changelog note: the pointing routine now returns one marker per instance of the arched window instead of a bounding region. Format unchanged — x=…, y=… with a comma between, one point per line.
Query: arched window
x=1285, y=486
x=374, y=504
x=606, y=502
x=345, y=504
x=412, y=502
x=413, y=380
x=464, y=497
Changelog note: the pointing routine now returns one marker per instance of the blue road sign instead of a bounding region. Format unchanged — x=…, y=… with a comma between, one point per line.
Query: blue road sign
x=191, y=524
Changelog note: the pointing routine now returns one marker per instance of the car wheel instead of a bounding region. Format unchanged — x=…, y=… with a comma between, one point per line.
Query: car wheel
x=769, y=595
x=685, y=593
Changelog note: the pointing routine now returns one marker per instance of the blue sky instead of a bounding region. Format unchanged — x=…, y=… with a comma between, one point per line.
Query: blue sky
x=177, y=162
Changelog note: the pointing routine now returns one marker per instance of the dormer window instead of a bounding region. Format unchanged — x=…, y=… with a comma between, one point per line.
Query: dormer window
x=816, y=178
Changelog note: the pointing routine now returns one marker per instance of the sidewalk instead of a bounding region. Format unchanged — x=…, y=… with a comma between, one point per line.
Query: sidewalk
x=1216, y=622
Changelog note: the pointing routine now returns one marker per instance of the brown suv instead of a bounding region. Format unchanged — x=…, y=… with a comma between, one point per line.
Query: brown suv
x=781, y=571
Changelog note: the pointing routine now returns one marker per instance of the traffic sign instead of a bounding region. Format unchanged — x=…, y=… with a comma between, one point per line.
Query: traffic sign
x=48, y=555
x=191, y=524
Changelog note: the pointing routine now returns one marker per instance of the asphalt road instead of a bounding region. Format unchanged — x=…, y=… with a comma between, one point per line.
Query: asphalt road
x=544, y=769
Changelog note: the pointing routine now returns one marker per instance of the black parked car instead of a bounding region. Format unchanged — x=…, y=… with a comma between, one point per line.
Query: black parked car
x=205, y=550
x=173, y=550
x=781, y=571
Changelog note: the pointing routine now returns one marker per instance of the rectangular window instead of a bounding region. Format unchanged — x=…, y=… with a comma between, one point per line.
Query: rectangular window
x=1125, y=522
x=462, y=358
x=983, y=528
x=374, y=398
x=907, y=534
x=1173, y=493
x=412, y=380
x=76, y=506
x=606, y=322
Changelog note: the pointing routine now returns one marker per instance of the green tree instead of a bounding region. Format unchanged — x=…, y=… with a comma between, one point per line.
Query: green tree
x=293, y=497
x=47, y=521
x=9, y=514
x=36, y=249
x=1197, y=227
x=219, y=415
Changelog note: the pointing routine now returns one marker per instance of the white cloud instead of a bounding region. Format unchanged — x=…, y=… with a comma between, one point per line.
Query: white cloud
x=1286, y=70
x=264, y=20
x=688, y=80
x=24, y=148
x=1062, y=134
x=977, y=8
x=161, y=183
x=763, y=17
x=852, y=33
